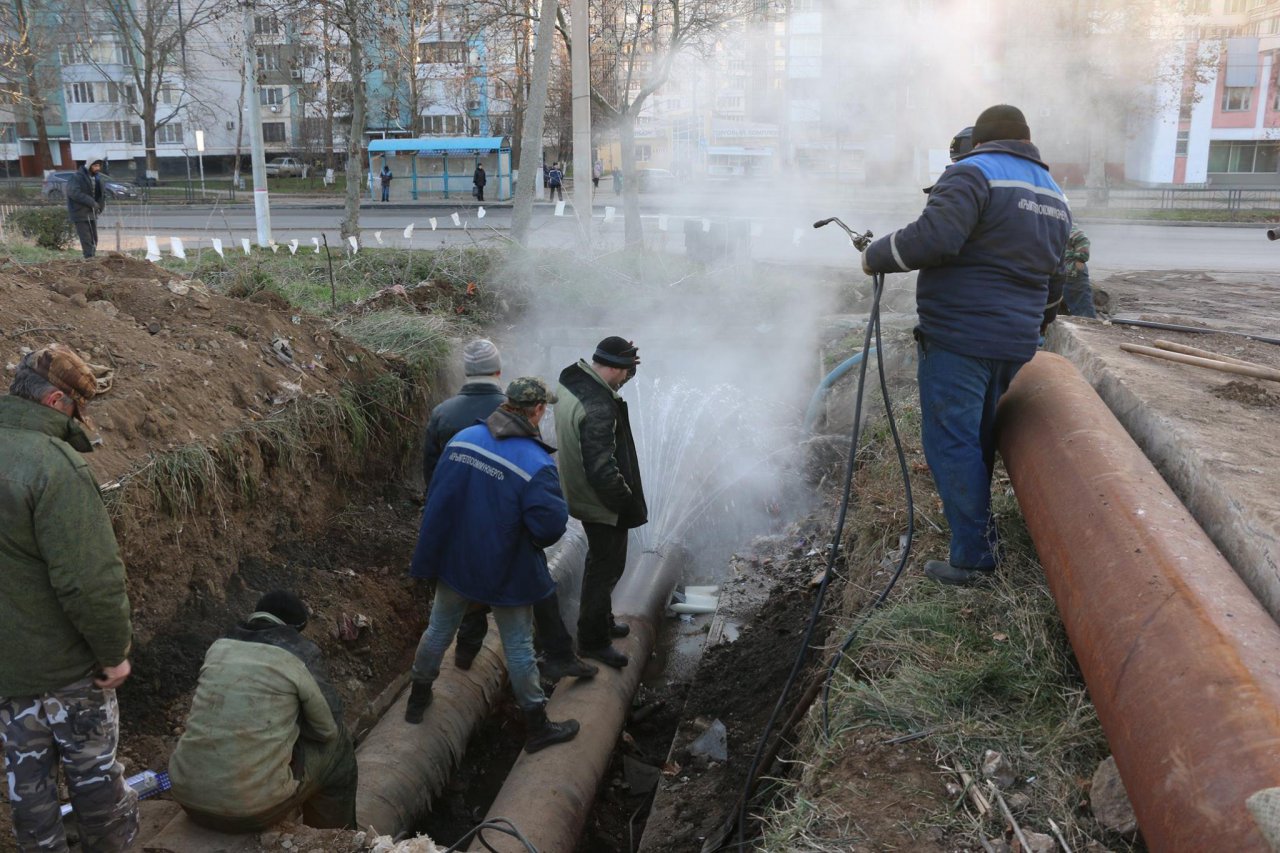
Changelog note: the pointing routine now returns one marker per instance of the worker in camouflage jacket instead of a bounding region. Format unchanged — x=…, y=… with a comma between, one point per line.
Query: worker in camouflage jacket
x=1077, y=290
x=265, y=736
x=64, y=615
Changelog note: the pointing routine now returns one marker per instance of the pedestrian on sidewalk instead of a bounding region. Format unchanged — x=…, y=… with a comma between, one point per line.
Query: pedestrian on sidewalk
x=597, y=171
x=86, y=199
x=386, y=176
x=478, y=180
x=555, y=180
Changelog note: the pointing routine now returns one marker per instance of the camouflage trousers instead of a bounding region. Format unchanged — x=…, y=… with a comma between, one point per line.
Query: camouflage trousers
x=77, y=727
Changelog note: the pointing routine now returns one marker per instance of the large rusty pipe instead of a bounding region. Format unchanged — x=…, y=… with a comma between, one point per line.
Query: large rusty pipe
x=1182, y=663
x=403, y=767
x=548, y=795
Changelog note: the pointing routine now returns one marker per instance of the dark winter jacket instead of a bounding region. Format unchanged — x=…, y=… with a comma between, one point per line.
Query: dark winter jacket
x=479, y=178
x=474, y=402
x=599, y=469
x=988, y=246
x=494, y=504
x=261, y=688
x=554, y=178
x=386, y=177
x=85, y=196
x=64, y=611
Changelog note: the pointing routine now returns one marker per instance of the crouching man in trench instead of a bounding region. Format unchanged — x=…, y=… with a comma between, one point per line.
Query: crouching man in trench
x=64, y=616
x=265, y=736
x=494, y=504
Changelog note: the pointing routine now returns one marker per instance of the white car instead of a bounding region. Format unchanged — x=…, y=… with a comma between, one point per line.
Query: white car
x=284, y=167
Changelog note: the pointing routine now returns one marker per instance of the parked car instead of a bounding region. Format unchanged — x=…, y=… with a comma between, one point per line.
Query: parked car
x=655, y=181
x=284, y=167
x=55, y=187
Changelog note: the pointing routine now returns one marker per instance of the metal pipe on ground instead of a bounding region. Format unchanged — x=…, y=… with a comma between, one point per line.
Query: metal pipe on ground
x=548, y=795
x=1182, y=663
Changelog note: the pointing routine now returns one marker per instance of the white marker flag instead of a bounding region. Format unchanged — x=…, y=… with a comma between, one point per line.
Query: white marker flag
x=273, y=246
x=706, y=226
x=244, y=244
x=355, y=244
x=757, y=229
x=217, y=247
x=457, y=220
x=480, y=212
x=560, y=208
x=293, y=247
x=153, y=249
x=609, y=213
x=796, y=235
x=662, y=223
x=175, y=246
x=408, y=231
x=432, y=220
x=377, y=235
x=315, y=241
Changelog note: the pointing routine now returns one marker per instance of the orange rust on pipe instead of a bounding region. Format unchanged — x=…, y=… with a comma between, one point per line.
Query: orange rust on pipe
x=548, y=795
x=1182, y=663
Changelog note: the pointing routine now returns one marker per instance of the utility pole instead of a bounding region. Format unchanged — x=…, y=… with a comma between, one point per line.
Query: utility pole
x=261, y=205
x=580, y=60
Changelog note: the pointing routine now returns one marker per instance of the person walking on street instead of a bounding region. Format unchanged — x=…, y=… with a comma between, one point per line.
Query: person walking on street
x=989, y=247
x=555, y=181
x=1077, y=290
x=494, y=505
x=597, y=171
x=65, y=629
x=386, y=176
x=266, y=735
x=475, y=401
x=479, y=180
x=600, y=474
x=86, y=199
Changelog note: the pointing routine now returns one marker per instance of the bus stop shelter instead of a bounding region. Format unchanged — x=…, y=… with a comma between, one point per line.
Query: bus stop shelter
x=466, y=151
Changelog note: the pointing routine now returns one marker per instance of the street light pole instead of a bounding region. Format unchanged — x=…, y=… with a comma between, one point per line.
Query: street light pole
x=261, y=204
x=200, y=153
x=580, y=60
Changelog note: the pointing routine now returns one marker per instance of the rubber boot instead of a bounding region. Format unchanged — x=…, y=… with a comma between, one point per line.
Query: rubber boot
x=419, y=700
x=543, y=732
x=950, y=575
x=607, y=655
x=619, y=630
x=572, y=667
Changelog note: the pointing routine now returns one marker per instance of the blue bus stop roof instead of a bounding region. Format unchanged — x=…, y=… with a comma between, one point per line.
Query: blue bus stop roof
x=424, y=146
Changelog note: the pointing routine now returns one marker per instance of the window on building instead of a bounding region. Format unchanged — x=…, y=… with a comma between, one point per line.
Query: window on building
x=442, y=51
x=99, y=131
x=271, y=96
x=169, y=134
x=503, y=125
x=644, y=153
x=8, y=133
x=273, y=131
x=444, y=125
x=1236, y=98
x=169, y=95
x=80, y=93
x=803, y=5
x=1198, y=7
x=1250, y=157
x=268, y=56
x=121, y=93
x=266, y=25
x=94, y=53
x=1235, y=7
x=473, y=126
x=1184, y=137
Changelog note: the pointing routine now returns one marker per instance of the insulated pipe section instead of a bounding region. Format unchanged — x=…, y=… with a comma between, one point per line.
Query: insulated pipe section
x=1181, y=661
x=403, y=767
x=548, y=795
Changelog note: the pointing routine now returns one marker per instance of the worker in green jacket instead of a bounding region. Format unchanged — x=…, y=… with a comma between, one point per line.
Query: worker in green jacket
x=64, y=615
x=265, y=736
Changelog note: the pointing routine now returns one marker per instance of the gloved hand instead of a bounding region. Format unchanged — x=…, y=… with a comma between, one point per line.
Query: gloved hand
x=866, y=268
x=99, y=207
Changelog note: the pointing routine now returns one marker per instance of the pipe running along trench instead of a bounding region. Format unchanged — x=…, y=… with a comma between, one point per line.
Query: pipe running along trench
x=549, y=794
x=1181, y=662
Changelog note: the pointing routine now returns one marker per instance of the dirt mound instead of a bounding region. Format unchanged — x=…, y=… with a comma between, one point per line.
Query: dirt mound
x=187, y=364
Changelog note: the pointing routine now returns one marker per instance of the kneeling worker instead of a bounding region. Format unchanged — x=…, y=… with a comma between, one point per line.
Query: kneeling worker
x=494, y=504
x=265, y=736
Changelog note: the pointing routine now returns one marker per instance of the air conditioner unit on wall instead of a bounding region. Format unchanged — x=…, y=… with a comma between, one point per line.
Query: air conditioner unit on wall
x=296, y=73
x=231, y=125
x=473, y=105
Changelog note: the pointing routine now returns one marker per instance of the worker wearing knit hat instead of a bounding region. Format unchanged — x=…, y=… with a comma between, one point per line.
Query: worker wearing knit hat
x=481, y=358
x=1000, y=122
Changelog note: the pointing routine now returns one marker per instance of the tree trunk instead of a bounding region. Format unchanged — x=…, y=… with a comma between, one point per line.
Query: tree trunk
x=235, y=174
x=149, y=134
x=633, y=231
x=355, y=137
x=43, y=152
x=535, y=110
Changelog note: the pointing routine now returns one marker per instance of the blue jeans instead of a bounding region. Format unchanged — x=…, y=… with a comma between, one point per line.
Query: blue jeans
x=386, y=192
x=515, y=626
x=958, y=396
x=1077, y=296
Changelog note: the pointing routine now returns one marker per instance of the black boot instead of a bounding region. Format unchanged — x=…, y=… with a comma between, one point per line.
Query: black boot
x=543, y=733
x=419, y=700
x=619, y=629
x=570, y=667
x=607, y=655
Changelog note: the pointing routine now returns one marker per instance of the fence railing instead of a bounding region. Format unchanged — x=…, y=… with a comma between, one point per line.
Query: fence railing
x=1182, y=198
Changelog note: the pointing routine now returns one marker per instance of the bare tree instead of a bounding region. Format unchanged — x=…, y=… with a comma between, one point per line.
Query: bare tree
x=30, y=33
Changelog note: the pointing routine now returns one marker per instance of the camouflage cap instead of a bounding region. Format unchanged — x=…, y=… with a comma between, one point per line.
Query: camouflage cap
x=529, y=391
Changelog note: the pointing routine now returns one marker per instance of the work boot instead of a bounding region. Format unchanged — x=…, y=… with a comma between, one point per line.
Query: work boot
x=419, y=700
x=619, y=629
x=946, y=573
x=543, y=732
x=570, y=667
x=464, y=657
x=607, y=655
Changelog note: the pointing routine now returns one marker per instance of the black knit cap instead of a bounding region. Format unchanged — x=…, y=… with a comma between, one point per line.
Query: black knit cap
x=285, y=606
x=614, y=351
x=1000, y=122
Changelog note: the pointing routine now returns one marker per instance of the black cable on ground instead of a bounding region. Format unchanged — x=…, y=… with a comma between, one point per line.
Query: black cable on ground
x=500, y=824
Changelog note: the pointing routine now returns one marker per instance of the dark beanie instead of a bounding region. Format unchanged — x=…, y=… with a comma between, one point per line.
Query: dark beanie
x=1000, y=122
x=616, y=352
x=285, y=606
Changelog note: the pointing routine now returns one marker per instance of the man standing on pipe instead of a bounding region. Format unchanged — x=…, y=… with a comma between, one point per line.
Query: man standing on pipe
x=494, y=504
x=989, y=247
x=475, y=401
x=600, y=473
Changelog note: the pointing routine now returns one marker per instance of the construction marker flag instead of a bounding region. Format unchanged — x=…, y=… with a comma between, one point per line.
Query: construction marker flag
x=355, y=244
x=273, y=246
x=480, y=212
x=457, y=220
x=377, y=235
x=315, y=241
x=153, y=249
x=796, y=235
x=408, y=231
x=560, y=208
x=432, y=220
x=706, y=226
x=244, y=244
x=293, y=247
x=609, y=213
x=175, y=246
x=662, y=223
x=217, y=247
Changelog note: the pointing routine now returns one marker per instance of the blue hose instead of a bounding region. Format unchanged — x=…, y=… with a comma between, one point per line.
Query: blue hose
x=824, y=387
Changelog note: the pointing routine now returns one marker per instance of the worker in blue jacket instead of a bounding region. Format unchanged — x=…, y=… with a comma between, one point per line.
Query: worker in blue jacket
x=989, y=248
x=494, y=504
